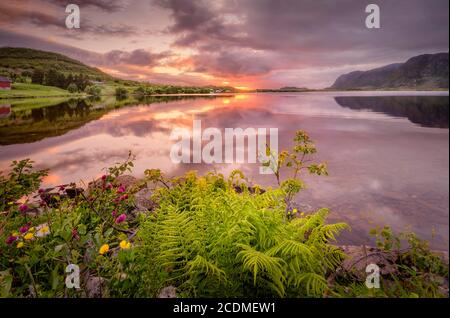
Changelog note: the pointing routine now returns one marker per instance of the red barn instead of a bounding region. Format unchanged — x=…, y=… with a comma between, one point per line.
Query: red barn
x=5, y=111
x=5, y=83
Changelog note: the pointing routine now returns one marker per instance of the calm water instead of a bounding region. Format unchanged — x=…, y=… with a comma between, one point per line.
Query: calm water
x=387, y=153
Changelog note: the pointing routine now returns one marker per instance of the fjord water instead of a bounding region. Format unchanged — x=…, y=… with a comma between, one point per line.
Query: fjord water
x=387, y=152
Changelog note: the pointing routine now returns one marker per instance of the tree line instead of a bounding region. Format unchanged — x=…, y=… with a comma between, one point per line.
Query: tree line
x=73, y=83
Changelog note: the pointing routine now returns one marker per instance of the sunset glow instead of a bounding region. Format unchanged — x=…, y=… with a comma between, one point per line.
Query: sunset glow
x=226, y=44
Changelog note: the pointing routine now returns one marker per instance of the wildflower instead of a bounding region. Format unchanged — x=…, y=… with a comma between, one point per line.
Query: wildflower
x=121, y=218
x=121, y=189
x=114, y=213
x=24, y=229
x=109, y=186
x=104, y=249
x=42, y=230
x=104, y=177
x=20, y=245
x=294, y=211
x=40, y=191
x=124, y=197
x=11, y=239
x=125, y=245
x=23, y=208
x=31, y=229
x=28, y=236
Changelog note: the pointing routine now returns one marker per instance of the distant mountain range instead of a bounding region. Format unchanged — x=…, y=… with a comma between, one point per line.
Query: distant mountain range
x=428, y=71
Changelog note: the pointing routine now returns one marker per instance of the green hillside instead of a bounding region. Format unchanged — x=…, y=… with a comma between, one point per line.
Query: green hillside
x=17, y=60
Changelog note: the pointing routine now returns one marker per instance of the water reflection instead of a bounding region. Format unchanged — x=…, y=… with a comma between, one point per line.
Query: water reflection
x=30, y=124
x=427, y=111
x=383, y=169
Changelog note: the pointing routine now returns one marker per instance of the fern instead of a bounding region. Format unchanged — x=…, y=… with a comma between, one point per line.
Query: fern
x=209, y=240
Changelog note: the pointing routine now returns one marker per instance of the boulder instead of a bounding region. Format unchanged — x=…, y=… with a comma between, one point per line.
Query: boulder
x=168, y=292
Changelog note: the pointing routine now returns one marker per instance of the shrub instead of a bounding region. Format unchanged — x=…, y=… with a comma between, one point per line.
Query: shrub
x=121, y=92
x=84, y=230
x=93, y=90
x=72, y=88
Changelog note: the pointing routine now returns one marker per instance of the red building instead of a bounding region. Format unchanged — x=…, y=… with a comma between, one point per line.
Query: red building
x=5, y=111
x=5, y=83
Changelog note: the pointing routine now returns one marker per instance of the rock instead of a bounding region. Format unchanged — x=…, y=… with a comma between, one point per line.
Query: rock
x=126, y=180
x=95, y=287
x=168, y=292
x=359, y=257
x=74, y=192
x=142, y=200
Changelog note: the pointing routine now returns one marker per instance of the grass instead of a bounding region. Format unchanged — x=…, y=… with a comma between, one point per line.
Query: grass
x=19, y=104
x=25, y=90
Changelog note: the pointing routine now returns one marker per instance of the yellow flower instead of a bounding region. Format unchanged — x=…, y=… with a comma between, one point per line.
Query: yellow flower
x=294, y=211
x=302, y=214
x=31, y=229
x=15, y=234
x=104, y=249
x=20, y=245
x=28, y=236
x=125, y=245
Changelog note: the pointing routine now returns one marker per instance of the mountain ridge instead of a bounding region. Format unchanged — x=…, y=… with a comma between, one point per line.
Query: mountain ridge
x=426, y=71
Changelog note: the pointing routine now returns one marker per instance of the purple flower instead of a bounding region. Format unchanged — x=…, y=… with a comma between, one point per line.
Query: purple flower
x=114, y=213
x=121, y=189
x=11, y=239
x=24, y=229
x=23, y=208
x=121, y=218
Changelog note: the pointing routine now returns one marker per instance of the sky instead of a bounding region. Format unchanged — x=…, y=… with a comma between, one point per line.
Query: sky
x=241, y=43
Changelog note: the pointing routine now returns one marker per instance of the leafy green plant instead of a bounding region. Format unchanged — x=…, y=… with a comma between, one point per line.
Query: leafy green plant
x=209, y=240
x=19, y=182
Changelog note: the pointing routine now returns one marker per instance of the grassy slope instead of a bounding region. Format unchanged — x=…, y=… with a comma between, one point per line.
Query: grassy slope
x=22, y=90
x=29, y=59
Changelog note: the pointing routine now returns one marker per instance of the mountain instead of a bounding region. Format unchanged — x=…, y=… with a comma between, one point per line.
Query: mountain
x=428, y=71
x=24, y=59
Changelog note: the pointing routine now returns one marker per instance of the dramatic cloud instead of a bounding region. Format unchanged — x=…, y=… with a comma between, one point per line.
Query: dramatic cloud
x=252, y=43
x=19, y=14
x=251, y=37
x=106, y=5
x=136, y=57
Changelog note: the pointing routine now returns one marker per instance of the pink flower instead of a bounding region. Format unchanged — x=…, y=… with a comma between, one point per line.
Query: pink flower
x=23, y=208
x=121, y=218
x=104, y=177
x=41, y=191
x=124, y=197
x=121, y=189
x=109, y=186
x=11, y=239
x=24, y=229
x=114, y=213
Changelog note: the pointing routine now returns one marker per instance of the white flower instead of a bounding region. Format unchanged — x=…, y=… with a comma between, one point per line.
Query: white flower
x=42, y=230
